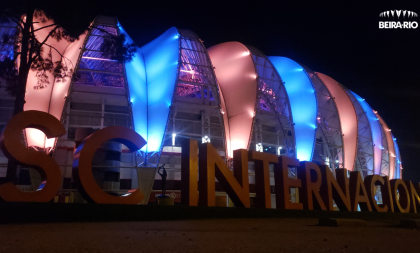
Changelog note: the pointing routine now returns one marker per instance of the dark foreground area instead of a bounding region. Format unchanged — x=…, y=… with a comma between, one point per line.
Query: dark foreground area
x=216, y=235
x=59, y=212
x=49, y=227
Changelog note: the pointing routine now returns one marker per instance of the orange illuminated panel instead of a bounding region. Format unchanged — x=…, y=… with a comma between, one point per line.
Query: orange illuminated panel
x=237, y=79
x=52, y=96
x=348, y=119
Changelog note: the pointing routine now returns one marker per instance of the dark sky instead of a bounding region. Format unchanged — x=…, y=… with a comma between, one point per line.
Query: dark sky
x=339, y=40
x=342, y=41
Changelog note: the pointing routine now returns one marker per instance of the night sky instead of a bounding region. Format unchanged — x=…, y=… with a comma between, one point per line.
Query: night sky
x=339, y=40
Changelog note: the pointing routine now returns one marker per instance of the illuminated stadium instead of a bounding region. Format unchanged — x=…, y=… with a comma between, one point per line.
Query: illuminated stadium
x=231, y=95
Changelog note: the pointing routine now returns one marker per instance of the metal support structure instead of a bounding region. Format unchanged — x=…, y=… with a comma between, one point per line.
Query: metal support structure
x=329, y=138
x=365, y=152
x=273, y=111
x=205, y=125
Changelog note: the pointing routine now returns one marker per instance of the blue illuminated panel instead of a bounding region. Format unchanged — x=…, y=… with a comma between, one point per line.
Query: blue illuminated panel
x=397, y=159
x=161, y=61
x=376, y=133
x=302, y=102
x=151, y=80
x=136, y=78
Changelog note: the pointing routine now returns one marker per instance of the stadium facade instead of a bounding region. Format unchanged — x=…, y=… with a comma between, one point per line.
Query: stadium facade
x=231, y=95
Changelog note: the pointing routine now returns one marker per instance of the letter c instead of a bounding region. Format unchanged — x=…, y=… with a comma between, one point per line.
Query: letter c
x=82, y=164
x=14, y=148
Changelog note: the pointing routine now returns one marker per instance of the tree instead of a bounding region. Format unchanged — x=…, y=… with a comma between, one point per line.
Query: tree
x=30, y=53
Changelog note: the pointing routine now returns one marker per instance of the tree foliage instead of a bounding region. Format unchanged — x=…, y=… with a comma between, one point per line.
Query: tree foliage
x=31, y=53
x=115, y=48
x=39, y=53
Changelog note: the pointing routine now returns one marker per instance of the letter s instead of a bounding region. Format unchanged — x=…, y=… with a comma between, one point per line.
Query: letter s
x=14, y=148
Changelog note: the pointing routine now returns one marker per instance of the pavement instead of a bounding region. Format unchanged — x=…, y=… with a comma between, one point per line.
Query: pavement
x=207, y=235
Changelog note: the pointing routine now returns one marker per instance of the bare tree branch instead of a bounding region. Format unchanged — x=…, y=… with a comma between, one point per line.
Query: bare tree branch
x=18, y=21
x=103, y=30
x=43, y=27
x=32, y=48
x=43, y=42
x=62, y=56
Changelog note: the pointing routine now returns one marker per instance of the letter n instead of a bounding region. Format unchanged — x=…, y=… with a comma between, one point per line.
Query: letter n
x=358, y=193
x=415, y=196
x=211, y=166
x=337, y=190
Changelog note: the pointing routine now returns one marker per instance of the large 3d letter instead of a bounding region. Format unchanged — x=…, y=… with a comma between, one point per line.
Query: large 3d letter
x=358, y=194
x=404, y=197
x=387, y=194
x=189, y=173
x=211, y=166
x=337, y=190
x=415, y=196
x=14, y=148
x=82, y=164
x=310, y=174
x=284, y=182
x=371, y=182
x=262, y=176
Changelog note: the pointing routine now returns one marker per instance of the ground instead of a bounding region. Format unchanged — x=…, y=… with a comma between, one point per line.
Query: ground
x=216, y=235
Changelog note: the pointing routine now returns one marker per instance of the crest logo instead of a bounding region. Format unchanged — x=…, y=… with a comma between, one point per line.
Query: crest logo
x=398, y=14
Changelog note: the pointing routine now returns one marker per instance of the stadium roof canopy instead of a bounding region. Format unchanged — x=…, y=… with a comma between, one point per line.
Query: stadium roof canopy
x=244, y=98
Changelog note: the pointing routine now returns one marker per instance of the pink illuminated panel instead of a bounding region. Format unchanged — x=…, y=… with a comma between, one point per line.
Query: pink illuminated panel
x=236, y=75
x=348, y=119
x=50, y=98
x=391, y=148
